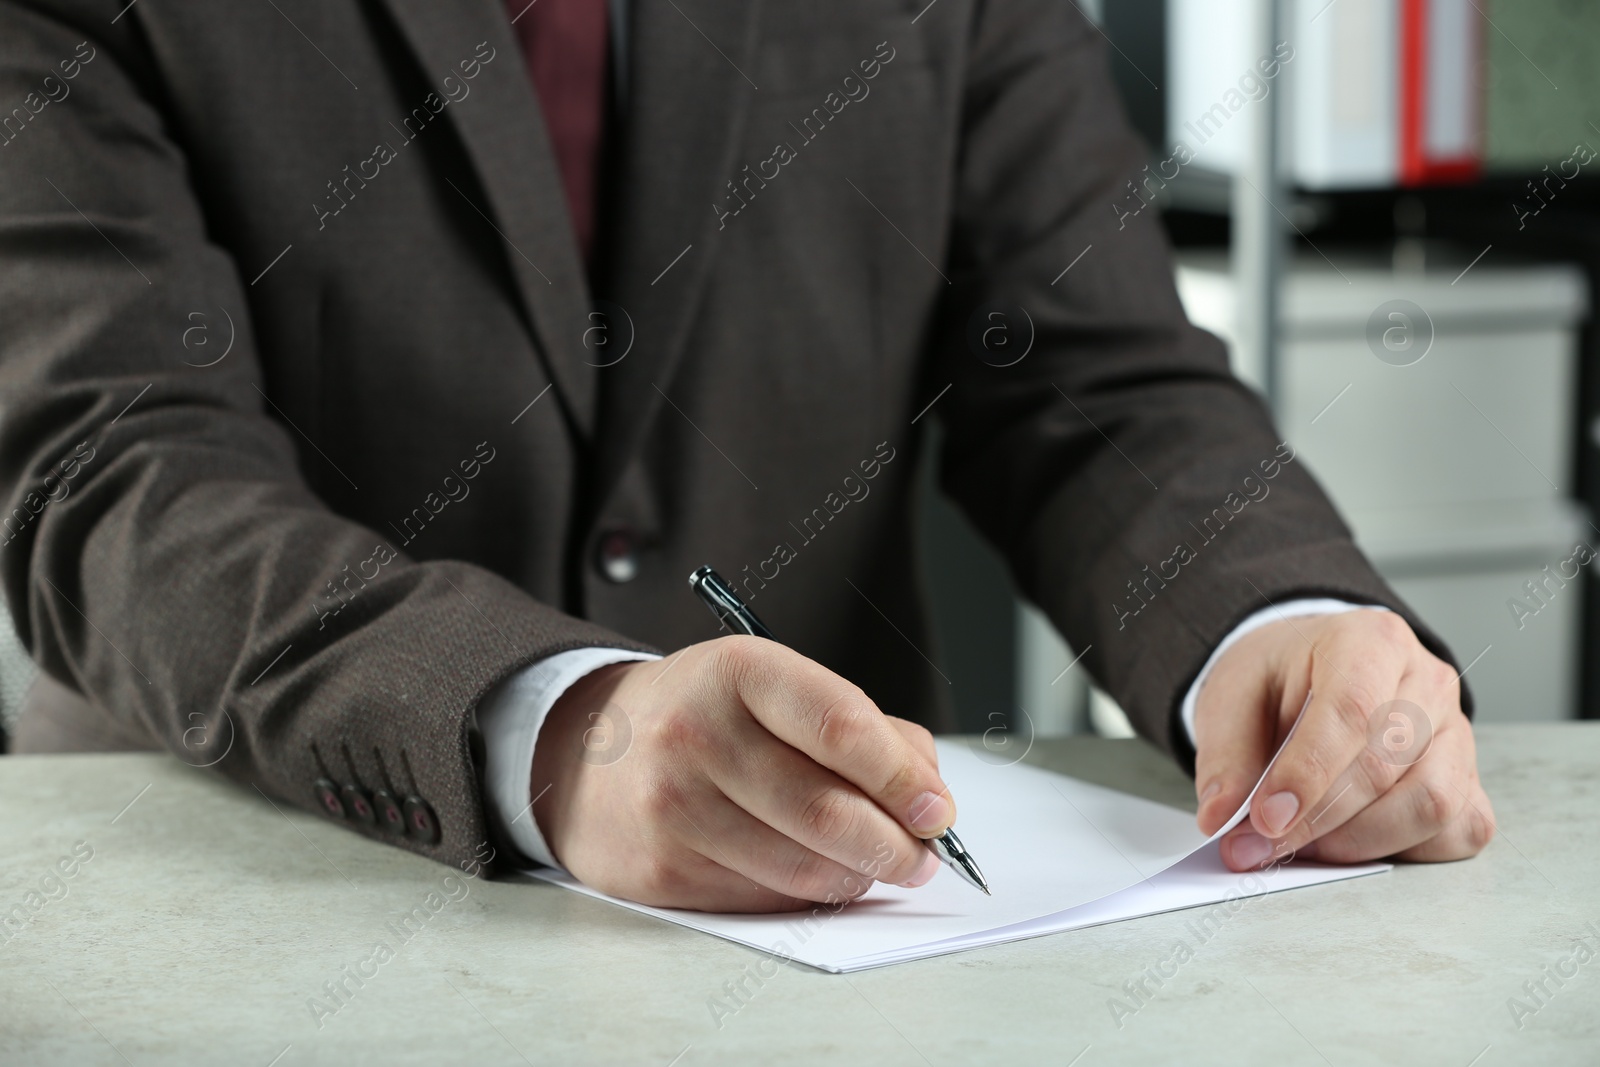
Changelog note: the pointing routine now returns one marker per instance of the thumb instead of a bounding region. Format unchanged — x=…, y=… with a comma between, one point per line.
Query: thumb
x=1235, y=728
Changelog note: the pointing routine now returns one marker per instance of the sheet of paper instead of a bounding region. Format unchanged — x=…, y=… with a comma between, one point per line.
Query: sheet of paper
x=1059, y=854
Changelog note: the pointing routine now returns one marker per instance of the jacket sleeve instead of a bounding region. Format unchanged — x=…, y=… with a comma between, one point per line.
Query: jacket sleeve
x=1140, y=492
x=161, y=553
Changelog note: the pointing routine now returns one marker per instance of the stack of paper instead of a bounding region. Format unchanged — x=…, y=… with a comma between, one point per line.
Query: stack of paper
x=1059, y=855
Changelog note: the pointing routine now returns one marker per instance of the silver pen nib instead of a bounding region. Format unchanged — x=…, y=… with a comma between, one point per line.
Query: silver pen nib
x=948, y=847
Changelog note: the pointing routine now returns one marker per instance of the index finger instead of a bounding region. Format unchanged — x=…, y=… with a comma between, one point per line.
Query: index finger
x=807, y=706
x=1346, y=685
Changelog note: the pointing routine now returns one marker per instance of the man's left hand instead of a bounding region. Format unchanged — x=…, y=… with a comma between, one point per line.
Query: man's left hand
x=1381, y=764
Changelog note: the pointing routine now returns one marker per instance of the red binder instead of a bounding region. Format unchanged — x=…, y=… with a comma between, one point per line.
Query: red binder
x=1441, y=92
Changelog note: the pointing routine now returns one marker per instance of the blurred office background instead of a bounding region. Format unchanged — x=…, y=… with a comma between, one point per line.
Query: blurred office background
x=1431, y=159
x=1425, y=151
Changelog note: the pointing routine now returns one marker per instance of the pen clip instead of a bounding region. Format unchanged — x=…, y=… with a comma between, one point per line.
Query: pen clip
x=725, y=604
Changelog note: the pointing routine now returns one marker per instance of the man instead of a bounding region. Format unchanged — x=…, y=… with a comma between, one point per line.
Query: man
x=371, y=388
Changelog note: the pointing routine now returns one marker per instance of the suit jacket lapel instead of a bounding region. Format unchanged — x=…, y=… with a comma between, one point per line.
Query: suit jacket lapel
x=686, y=109
x=503, y=129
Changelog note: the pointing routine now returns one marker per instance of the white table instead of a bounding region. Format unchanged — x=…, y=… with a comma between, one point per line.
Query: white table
x=206, y=919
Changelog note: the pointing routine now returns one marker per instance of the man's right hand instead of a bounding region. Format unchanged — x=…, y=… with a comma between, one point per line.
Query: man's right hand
x=735, y=775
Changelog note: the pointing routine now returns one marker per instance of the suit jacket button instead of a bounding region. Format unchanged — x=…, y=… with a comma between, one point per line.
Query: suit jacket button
x=328, y=798
x=358, y=802
x=618, y=556
x=421, y=823
x=390, y=817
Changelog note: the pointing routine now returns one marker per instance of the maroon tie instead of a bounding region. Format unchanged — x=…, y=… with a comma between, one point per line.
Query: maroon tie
x=565, y=43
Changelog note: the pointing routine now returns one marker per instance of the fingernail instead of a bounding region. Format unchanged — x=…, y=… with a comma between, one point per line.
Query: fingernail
x=1249, y=850
x=930, y=812
x=1278, y=811
x=1211, y=790
x=925, y=873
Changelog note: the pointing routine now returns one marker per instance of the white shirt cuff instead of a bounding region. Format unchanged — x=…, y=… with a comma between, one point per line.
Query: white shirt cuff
x=1289, y=609
x=509, y=719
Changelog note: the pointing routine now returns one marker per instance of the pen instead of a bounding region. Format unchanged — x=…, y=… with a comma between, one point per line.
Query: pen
x=725, y=604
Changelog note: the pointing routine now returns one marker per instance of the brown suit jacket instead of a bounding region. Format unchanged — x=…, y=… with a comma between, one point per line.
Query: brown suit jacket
x=314, y=427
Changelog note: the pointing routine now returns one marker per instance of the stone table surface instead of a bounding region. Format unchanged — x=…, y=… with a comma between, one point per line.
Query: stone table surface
x=206, y=919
